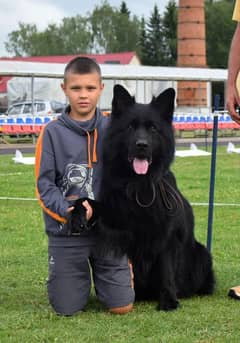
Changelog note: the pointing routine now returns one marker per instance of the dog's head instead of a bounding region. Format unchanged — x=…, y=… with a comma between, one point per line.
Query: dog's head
x=143, y=133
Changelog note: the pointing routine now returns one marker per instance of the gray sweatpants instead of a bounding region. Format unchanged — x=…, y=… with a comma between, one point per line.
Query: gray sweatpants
x=69, y=281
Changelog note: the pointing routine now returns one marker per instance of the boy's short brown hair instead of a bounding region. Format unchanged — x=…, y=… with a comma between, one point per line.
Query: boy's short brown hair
x=82, y=65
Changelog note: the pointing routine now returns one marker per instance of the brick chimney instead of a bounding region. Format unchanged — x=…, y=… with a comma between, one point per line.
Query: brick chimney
x=191, y=51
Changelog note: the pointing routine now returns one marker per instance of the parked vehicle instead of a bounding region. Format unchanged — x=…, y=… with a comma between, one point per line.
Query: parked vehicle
x=39, y=108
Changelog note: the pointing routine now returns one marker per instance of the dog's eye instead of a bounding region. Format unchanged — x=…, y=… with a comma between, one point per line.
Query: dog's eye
x=153, y=128
x=130, y=127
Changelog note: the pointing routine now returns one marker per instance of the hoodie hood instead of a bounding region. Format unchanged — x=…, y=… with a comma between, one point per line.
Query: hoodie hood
x=81, y=127
x=86, y=128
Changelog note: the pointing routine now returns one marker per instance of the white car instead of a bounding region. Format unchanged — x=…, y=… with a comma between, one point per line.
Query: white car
x=39, y=108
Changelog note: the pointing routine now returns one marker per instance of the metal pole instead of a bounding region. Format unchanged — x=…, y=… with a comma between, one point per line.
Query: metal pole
x=32, y=94
x=213, y=168
x=33, y=108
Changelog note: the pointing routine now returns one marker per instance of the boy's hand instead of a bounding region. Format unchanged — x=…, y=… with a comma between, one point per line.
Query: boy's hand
x=70, y=209
x=89, y=210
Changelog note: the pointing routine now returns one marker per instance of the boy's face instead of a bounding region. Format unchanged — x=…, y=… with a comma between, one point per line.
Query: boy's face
x=83, y=92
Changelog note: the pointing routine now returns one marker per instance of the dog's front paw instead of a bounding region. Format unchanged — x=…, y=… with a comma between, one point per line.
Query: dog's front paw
x=168, y=304
x=77, y=222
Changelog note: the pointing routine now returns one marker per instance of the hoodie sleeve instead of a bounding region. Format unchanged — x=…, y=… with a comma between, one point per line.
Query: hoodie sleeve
x=48, y=194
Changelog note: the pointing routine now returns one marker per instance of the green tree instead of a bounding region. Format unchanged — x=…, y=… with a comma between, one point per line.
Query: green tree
x=158, y=37
x=124, y=9
x=103, y=21
x=142, y=43
x=155, y=42
x=169, y=23
x=127, y=32
x=219, y=32
x=72, y=36
x=127, y=29
x=76, y=34
x=48, y=42
x=20, y=41
x=114, y=30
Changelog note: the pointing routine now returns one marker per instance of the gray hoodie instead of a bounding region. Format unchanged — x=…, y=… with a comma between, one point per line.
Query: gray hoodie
x=68, y=165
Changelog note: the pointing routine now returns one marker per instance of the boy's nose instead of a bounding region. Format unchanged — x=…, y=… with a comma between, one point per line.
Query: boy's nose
x=83, y=95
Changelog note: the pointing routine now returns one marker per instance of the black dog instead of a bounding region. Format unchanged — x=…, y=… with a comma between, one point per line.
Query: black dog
x=143, y=212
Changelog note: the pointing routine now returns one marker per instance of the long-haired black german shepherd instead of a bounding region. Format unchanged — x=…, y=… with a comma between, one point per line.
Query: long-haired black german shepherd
x=145, y=215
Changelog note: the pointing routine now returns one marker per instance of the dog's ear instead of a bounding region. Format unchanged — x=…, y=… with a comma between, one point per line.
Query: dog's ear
x=121, y=99
x=165, y=103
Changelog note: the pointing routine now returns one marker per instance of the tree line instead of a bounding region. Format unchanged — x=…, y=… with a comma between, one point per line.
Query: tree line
x=110, y=29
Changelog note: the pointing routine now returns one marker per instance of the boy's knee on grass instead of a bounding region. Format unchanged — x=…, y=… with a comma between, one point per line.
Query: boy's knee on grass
x=115, y=310
x=121, y=310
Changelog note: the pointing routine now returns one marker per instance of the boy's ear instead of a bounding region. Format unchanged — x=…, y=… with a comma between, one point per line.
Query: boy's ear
x=102, y=86
x=63, y=86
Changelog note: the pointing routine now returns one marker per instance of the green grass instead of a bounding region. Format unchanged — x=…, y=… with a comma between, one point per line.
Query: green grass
x=25, y=315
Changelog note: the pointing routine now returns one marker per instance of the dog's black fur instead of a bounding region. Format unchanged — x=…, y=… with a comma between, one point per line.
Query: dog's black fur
x=77, y=222
x=145, y=215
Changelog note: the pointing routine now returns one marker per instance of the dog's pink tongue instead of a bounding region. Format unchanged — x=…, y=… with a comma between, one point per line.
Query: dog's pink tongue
x=140, y=166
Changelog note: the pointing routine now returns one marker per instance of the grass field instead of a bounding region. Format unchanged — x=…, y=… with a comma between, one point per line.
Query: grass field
x=25, y=315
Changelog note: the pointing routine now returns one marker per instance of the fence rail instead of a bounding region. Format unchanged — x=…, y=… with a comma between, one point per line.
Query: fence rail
x=142, y=81
x=115, y=72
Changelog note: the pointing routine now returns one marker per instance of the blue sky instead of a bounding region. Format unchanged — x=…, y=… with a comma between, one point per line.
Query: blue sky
x=45, y=12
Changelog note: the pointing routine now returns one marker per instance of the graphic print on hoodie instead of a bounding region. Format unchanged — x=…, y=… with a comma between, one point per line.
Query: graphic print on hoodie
x=78, y=178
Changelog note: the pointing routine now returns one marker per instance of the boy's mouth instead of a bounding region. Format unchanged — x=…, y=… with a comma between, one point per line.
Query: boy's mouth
x=83, y=104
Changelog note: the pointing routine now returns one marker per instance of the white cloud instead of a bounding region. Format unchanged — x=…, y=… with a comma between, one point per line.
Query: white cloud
x=27, y=11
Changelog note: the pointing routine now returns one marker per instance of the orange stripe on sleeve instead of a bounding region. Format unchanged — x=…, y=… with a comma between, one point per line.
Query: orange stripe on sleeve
x=38, y=156
x=89, y=150
x=95, y=146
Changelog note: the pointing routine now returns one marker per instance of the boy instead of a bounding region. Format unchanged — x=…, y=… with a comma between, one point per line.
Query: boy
x=68, y=165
